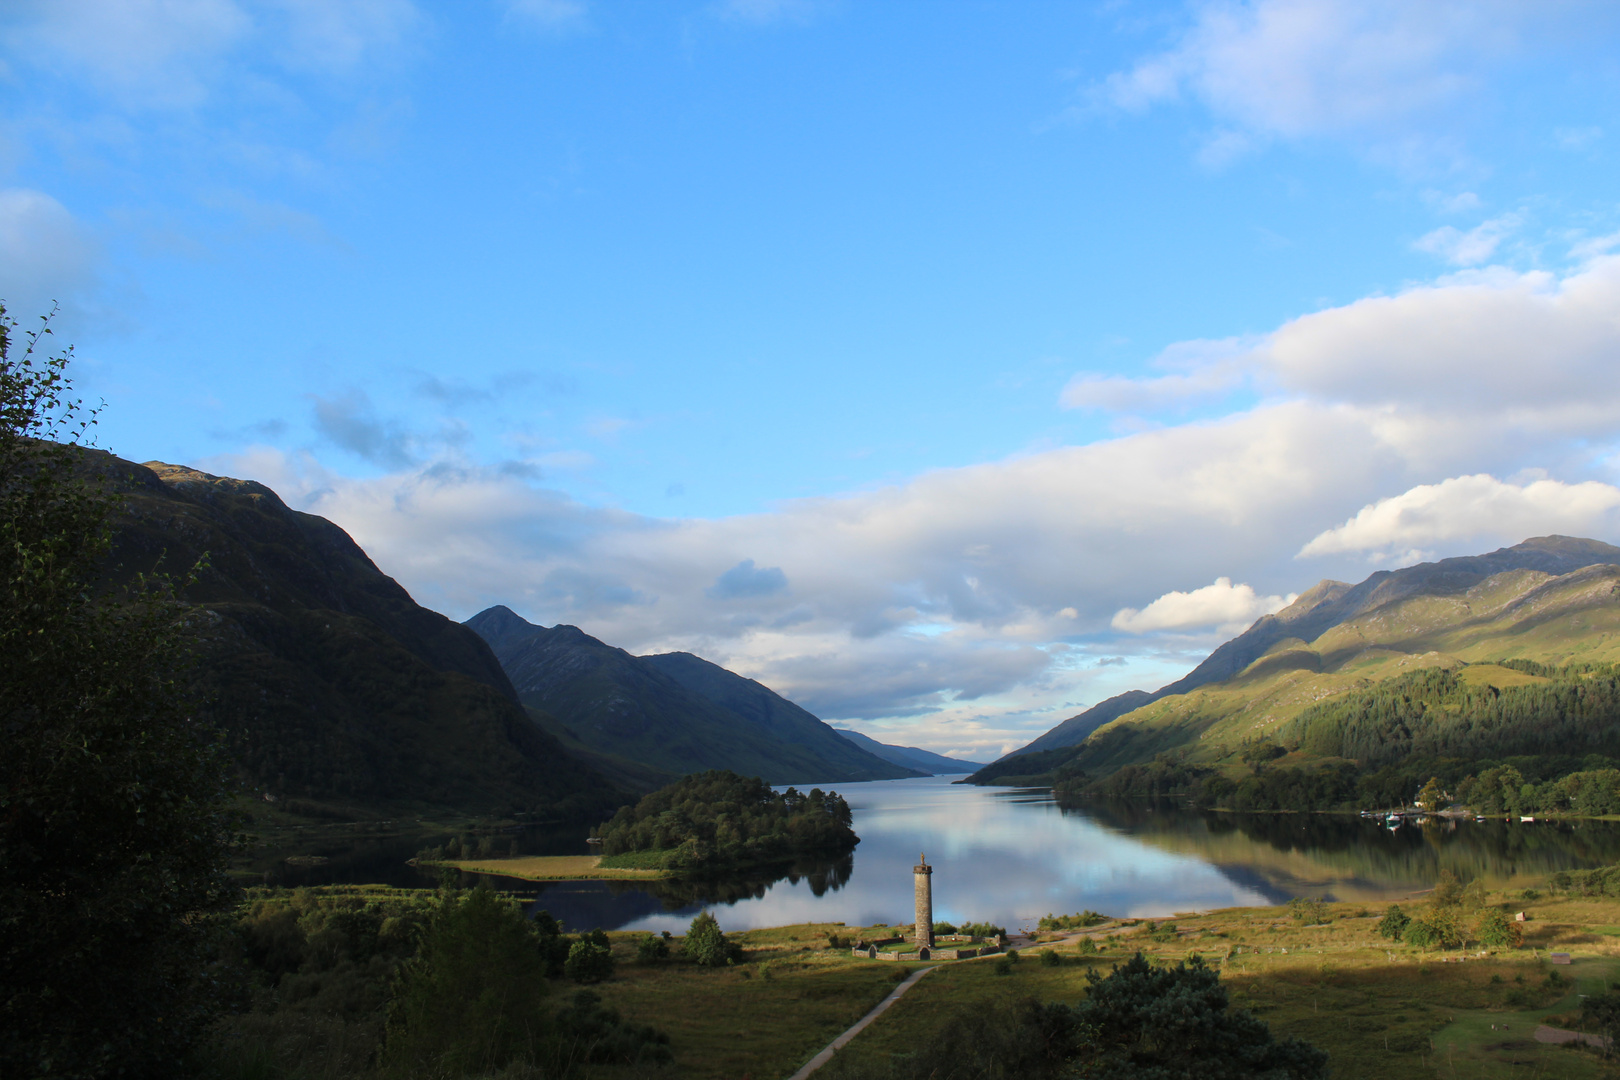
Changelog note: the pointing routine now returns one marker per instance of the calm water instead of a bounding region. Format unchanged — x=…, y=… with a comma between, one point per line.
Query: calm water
x=1010, y=856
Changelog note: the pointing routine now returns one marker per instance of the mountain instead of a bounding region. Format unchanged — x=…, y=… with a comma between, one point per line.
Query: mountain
x=674, y=713
x=910, y=757
x=1535, y=600
x=339, y=694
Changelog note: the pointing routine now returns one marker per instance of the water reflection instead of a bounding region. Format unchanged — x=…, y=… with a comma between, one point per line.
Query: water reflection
x=1350, y=858
x=1009, y=856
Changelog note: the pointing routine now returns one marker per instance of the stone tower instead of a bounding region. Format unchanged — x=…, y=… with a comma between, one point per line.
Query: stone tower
x=922, y=876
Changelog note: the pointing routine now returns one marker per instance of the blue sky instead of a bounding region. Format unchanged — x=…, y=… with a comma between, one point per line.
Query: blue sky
x=947, y=367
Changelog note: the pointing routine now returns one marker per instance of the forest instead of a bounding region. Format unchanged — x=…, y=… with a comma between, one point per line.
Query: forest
x=719, y=819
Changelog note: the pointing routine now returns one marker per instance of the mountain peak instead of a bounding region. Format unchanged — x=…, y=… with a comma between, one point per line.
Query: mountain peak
x=500, y=625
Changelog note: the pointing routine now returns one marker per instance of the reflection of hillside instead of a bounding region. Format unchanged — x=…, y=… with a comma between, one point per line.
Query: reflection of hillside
x=1356, y=859
x=678, y=893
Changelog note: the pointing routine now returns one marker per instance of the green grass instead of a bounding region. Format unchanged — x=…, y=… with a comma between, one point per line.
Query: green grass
x=555, y=868
x=762, y=1018
x=1379, y=1010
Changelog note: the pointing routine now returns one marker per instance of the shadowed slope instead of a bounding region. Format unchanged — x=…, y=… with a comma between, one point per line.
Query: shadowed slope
x=333, y=685
x=657, y=711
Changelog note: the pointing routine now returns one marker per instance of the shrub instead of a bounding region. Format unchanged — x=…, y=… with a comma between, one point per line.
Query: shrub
x=1394, y=923
x=1600, y=1013
x=706, y=945
x=588, y=962
x=1162, y=1021
x=1003, y=966
x=1421, y=934
x=470, y=999
x=1496, y=931
x=1087, y=946
x=1447, y=890
x=1304, y=909
x=653, y=948
x=1050, y=958
x=944, y=928
x=591, y=1033
x=982, y=930
x=1071, y=922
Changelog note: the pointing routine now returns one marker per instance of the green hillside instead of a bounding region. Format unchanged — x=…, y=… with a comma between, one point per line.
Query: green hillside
x=1324, y=607
x=1447, y=620
x=671, y=714
x=339, y=695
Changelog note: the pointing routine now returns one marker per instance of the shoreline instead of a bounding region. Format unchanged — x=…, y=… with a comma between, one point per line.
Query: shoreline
x=550, y=868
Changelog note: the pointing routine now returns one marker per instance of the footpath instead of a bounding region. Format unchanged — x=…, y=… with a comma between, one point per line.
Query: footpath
x=883, y=1006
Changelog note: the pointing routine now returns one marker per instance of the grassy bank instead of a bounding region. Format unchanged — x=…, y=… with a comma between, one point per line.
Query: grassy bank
x=553, y=868
x=1380, y=1010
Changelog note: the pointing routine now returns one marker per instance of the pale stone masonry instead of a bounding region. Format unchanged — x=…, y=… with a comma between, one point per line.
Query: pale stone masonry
x=922, y=875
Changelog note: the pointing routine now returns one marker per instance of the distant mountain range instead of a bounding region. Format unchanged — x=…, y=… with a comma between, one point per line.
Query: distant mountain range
x=639, y=718
x=1550, y=599
x=910, y=756
x=339, y=695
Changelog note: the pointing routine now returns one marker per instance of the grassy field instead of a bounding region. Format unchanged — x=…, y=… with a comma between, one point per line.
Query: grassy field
x=762, y=1018
x=554, y=868
x=1379, y=1010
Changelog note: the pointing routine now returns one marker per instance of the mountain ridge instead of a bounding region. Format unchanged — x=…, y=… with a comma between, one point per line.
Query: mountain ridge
x=337, y=692
x=1315, y=614
x=911, y=757
x=675, y=712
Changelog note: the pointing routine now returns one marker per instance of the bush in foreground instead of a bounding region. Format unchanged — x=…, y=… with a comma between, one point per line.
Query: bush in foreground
x=1140, y=1021
x=471, y=999
x=706, y=945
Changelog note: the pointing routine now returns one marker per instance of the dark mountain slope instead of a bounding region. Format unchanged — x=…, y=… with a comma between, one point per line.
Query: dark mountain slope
x=333, y=685
x=769, y=712
x=1316, y=612
x=636, y=708
x=911, y=757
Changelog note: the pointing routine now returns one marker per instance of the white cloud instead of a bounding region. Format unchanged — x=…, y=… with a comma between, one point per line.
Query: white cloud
x=1219, y=605
x=162, y=53
x=988, y=592
x=1464, y=202
x=1118, y=393
x=1479, y=509
x=1534, y=352
x=549, y=14
x=1470, y=248
x=767, y=11
x=341, y=36
x=46, y=255
x=1298, y=68
x=1576, y=138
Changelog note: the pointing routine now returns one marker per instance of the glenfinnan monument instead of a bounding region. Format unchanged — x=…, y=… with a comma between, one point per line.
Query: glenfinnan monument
x=922, y=875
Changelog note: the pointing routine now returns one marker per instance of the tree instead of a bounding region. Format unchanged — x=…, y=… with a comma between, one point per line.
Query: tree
x=113, y=823
x=1394, y=923
x=1496, y=931
x=706, y=945
x=652, y=948
x=1163, y=1021
x=1600, y=1014
x=1433, y=797
x=1448, y=890
x=470, y=1001
x=588, y=962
